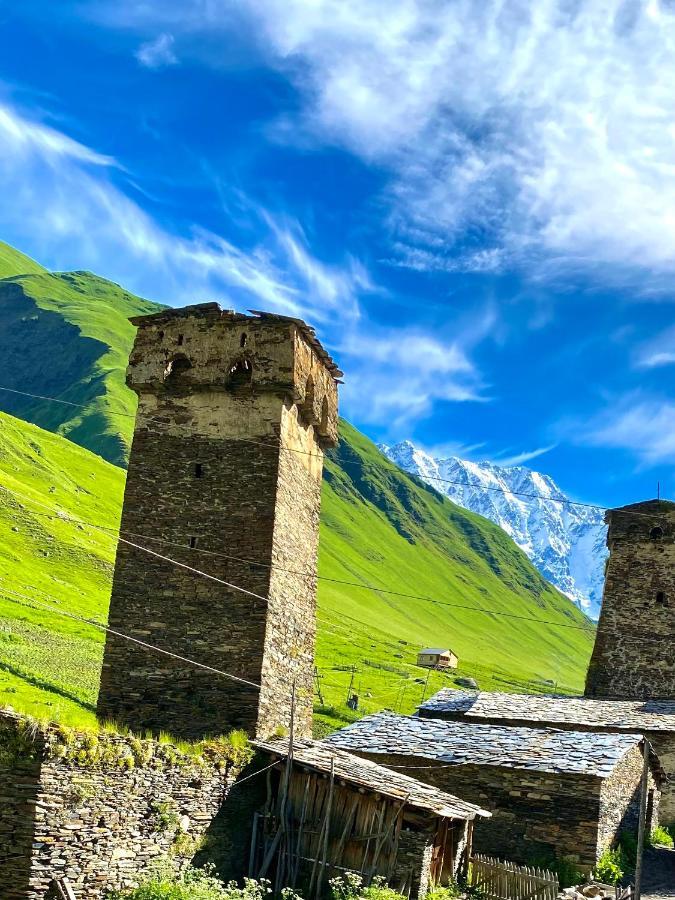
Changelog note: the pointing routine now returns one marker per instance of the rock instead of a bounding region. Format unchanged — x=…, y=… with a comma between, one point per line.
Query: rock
x=467, y=683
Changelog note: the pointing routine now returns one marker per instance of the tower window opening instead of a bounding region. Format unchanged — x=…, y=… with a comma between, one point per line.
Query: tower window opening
x=160, y=335
x=242, y=340
x=199, y=470
x=656, y=533
x=180, y=340
x=176, y=367
x=661, y=599
x=240, y=373
x=193, y=542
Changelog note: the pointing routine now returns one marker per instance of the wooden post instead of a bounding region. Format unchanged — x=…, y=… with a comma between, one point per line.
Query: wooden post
x=424, y=690
x=318, y=685
x=642, y=823
x=329, y=808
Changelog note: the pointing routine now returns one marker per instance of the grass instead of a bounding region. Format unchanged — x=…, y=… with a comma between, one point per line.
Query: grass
x=86, y=318
x=417, y=542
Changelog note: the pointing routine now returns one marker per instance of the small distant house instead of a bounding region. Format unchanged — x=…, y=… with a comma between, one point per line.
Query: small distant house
x=437, y=658
x=329, y=811
x=566, y=794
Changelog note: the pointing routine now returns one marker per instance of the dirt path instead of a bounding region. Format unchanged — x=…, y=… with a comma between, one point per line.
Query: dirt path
x=659, y=877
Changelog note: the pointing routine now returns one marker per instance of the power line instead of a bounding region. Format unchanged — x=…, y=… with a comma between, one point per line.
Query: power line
x=37, y=604
x=361, y=586
x=565, y=501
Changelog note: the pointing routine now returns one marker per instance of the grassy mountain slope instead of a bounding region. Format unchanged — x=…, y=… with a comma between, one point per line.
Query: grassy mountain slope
x=13, y=262
x=379, y=528
x=67, y=335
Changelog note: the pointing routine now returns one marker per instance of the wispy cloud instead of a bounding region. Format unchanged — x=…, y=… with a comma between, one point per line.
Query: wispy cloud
x=660, y=351
x=158, y=53
x=544, y=128
x=407, y=372
x=643, y=425
x=66, y=207
x=63, y=196
x=517, y=459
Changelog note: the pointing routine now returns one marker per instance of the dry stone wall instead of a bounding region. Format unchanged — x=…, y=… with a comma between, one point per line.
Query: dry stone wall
x=620, y=800
x=100, y=809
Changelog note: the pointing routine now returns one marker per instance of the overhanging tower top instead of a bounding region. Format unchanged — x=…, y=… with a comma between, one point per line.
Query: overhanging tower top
x=206, y=348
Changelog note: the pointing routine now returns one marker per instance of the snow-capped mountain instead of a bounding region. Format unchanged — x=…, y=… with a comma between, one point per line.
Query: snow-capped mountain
x=566, y=543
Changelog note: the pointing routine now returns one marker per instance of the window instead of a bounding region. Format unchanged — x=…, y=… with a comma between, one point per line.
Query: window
x=199, y=470
x=240, y=373
x=176, y=367
x=193, y=542
x=242, y=340
x=661, y=599
x=180, y=340
x=160, y=335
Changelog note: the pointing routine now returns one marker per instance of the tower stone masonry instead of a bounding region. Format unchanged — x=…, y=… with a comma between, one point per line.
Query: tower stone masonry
x=234, y=414
x=634, y=652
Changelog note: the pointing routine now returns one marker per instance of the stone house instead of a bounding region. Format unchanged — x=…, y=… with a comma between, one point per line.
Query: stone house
x=437, y=658
x=653, y=718
x=567, y=794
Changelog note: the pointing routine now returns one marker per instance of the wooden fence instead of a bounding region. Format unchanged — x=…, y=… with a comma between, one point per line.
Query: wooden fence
x=506, y=881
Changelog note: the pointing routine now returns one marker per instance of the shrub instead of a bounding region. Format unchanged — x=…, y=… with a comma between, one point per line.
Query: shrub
x=609, y=867
x=566, y=869
x=350, y=887
x=660, y=837
x=196, y=884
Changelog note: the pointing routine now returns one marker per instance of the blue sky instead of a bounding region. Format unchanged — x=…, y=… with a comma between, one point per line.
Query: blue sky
x=474, y=203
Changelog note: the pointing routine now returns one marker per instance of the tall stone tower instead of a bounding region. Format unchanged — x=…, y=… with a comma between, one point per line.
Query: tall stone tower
x=634, y=653
x=234, y=413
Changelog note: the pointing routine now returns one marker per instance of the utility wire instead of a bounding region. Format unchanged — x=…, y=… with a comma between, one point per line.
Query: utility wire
x=43, y=605
x=377, y=590
x=565, y=501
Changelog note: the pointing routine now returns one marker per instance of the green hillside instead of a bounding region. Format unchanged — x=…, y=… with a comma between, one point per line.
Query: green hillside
x=384, y=533
x=67, y=335
x=379, y=528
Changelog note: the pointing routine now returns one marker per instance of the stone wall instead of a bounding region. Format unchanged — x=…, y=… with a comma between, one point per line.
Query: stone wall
x=412, y=872
x=620, y=800
x=632, y=654
x=100, y=808
x=664, y=747
x=208, y=468
x=533, y=813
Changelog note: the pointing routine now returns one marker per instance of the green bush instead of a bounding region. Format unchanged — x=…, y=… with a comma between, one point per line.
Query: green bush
x=350, y=887
x=196, y=884
x=660, y=837
x=566, y=869
x=609, y=867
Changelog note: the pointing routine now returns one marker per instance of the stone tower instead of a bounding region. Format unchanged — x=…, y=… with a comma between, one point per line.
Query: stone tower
x=234, y=413
x=633, y=655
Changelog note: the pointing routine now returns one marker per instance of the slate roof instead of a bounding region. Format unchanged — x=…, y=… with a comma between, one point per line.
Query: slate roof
x=469, y=743
x=436, y=651
x=364, y=773
x=615, y=715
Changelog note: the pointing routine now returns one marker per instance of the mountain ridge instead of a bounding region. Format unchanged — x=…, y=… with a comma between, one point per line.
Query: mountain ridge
x=565, y=541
